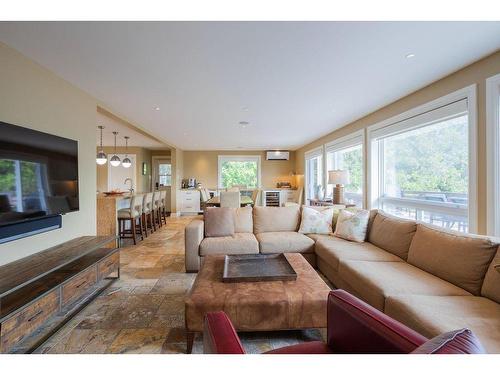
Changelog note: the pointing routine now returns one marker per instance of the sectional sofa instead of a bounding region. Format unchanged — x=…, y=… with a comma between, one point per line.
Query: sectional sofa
x=430, y=279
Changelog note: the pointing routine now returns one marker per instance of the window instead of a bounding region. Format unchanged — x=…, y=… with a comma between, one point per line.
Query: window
x=314, y=174
x=347, y=154
x=165, y=174
x=493, y=153
x=421, y=166
x=239, y=171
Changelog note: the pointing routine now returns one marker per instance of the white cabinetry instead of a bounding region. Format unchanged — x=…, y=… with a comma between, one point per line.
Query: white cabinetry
x=288, y=196
x=190, y=201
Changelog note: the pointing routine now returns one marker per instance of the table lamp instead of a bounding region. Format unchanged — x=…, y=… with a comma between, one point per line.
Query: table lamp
x=339, y=178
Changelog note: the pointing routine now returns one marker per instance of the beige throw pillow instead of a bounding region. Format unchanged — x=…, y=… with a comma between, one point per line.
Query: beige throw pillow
x=352, y=225
x=318, y=222
x=219, y=222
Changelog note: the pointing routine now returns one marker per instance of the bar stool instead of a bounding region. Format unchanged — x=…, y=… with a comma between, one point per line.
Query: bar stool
x=133, y=214
x=163, y=205
x=156, y=209
x=147, y=213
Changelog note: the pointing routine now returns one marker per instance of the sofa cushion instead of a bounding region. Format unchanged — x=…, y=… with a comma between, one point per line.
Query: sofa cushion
x=219, y=222
x=313, y=221
x=333, y=250
x=336, y=210
x=243, y=220
x=373, y=282
x=284, y=242
x=352, y=226
x=240, y=243
x=434, y=315
x=316, y=237
x=491, y=283
x=458, y=258
x=276, y=219
x=392, y=234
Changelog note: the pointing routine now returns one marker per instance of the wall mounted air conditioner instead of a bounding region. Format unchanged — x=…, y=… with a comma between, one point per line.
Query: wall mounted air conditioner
x=277, y=155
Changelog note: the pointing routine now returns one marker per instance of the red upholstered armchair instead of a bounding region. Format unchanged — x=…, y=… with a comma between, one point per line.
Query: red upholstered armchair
x=353, y=327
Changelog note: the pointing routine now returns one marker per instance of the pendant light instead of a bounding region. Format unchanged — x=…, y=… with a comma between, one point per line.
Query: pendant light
x=126, y=162
x=115, y=160
x=101, y=157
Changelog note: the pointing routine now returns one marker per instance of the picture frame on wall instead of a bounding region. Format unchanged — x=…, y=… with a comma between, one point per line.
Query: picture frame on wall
x=144, y=168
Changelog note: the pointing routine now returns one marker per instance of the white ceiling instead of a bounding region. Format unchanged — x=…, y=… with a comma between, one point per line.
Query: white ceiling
x=111, y=125
x=297, y=80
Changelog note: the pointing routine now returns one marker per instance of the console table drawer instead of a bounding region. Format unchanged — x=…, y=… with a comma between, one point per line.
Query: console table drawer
x=27, y=320
x=108, y=265
x=79, y=285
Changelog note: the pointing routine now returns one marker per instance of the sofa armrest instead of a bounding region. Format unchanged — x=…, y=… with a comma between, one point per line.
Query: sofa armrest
x=193, y=235
x=356, y=327
x=462, y=341
x=219, y=335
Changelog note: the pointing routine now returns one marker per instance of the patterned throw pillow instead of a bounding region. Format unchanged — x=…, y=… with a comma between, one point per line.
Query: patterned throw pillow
x=352, y=225
x=314, y=221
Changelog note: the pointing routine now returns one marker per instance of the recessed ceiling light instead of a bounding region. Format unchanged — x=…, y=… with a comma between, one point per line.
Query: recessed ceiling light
x=410, y=55
x=157, y=108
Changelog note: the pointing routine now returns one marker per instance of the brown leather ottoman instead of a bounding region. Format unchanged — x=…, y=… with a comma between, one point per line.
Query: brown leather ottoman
x=258, y=306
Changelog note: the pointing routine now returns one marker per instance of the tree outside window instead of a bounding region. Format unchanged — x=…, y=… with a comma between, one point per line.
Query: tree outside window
x=239, y=171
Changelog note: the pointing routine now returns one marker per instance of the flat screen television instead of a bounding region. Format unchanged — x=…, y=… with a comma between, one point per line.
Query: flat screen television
x=38, y=180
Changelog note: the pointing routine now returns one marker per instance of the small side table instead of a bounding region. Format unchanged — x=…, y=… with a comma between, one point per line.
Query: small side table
x=326, y=202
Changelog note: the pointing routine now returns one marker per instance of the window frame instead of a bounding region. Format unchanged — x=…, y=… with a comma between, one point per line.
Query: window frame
x=170, y=175
x=374, y=156
x=493, y=155
x=308, y=155
x=351, y=140
x=244, y=158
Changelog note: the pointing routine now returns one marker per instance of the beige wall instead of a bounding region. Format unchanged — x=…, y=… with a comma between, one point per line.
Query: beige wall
x=472, y=74
x=33, y=97
x=161, y=152
x=203, y=166
x=143, y=183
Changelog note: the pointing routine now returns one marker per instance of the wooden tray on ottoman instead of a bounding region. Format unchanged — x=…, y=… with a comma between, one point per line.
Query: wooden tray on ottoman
x=258, y=267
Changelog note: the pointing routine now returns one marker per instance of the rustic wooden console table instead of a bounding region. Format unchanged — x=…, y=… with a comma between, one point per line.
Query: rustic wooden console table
x=40, y=293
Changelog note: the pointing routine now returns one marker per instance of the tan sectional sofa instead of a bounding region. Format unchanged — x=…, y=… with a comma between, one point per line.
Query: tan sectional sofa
x=430, y=279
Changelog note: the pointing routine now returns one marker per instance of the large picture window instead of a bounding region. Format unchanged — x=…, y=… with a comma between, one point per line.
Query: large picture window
x=314, y=181
x=239, y=171
x=421, y=167
x=347, y=154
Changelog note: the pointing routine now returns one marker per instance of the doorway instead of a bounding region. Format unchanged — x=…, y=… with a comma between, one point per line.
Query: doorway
x=162, y=176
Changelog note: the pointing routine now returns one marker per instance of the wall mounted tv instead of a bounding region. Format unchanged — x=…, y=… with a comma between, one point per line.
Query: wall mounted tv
x=38, y=181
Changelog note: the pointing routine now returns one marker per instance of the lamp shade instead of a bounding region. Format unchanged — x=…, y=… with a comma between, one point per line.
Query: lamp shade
x=101, y=158
x=115, y=161
x=338, y=177
x=126, y=162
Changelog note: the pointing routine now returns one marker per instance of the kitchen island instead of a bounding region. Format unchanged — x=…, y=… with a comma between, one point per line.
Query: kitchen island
x=107, y=212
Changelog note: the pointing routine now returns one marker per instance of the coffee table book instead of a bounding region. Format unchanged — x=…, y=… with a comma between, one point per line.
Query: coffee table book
x=258, y=267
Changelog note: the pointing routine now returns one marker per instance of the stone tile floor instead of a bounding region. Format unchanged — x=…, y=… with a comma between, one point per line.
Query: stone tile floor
x=143, y=311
